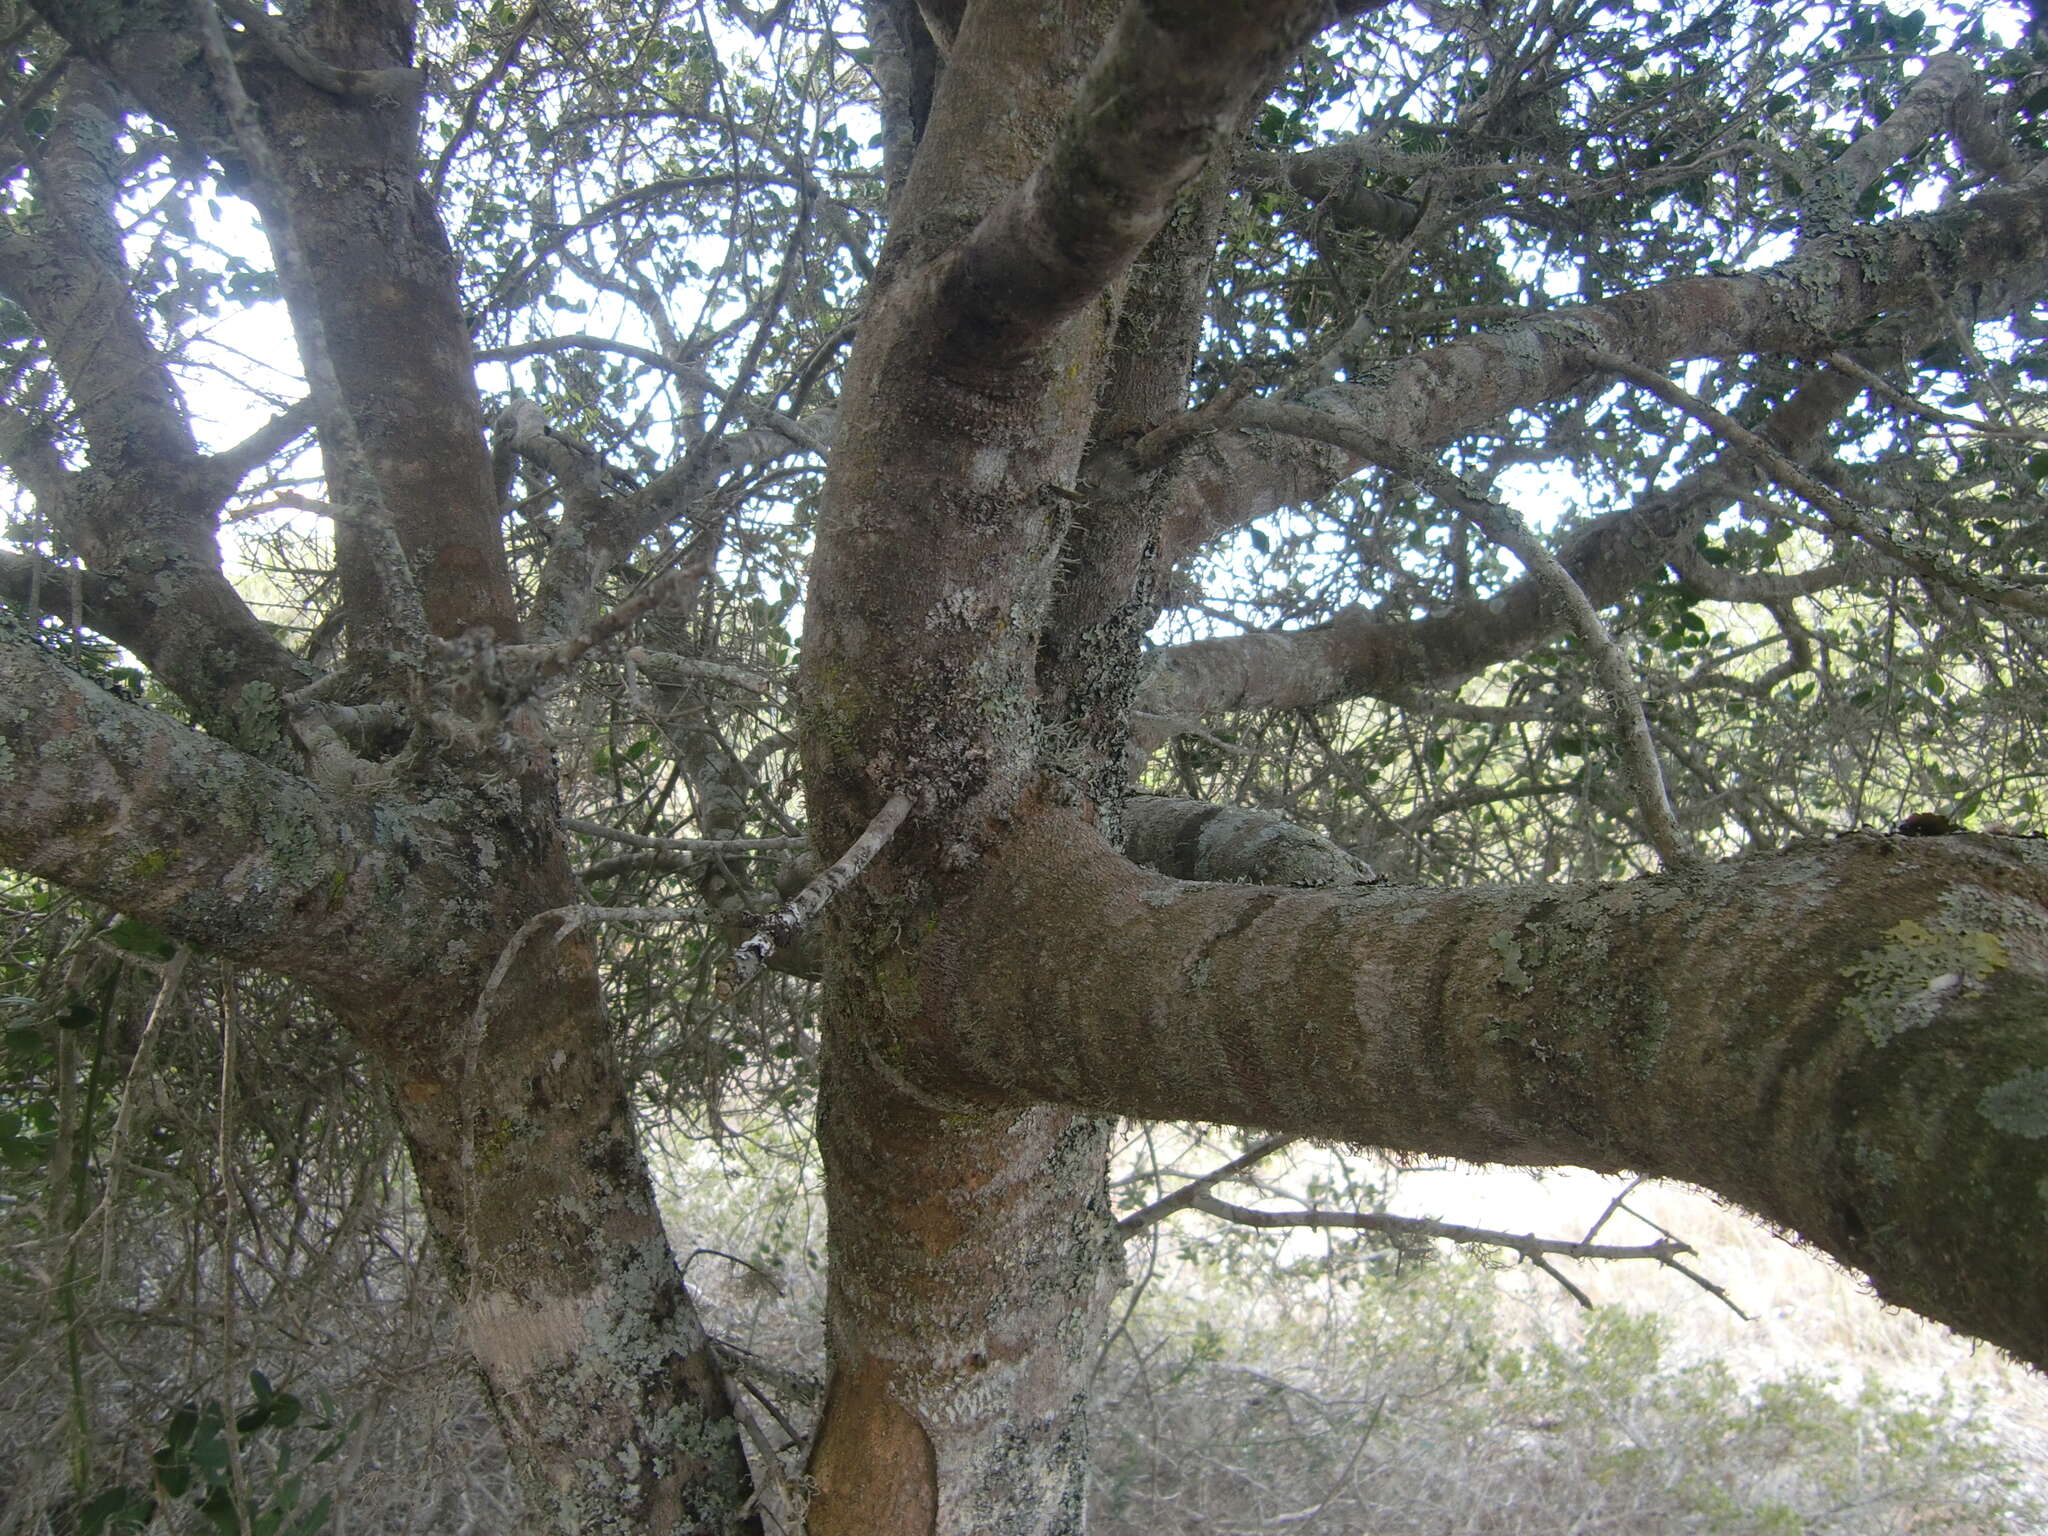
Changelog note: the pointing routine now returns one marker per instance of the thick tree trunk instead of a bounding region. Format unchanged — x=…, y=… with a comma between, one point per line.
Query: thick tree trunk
x=510, y=1096
x=972, y=1256
x=520, y=1135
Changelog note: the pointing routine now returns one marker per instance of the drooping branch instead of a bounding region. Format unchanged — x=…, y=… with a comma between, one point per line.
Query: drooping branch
x=1845, y=1037
x=1504, y=525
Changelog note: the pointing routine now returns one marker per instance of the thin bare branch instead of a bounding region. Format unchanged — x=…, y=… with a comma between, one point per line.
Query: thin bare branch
x=1184, y=1197
x=781, y=926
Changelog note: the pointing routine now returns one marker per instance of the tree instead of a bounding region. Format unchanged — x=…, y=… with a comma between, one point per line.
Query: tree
x=1153, y=274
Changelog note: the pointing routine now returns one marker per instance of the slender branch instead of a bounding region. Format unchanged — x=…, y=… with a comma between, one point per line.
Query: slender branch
x=1539, y=1251
x=545, y=663
x=779, y=927
x=166, y=993
x=1831, y=504
x=1526, y=1244
x=796, y=431
x=1195, y=1189
x=471, y=109
x=696, y=666
x=1878, y=384
x=704, y=845
x=236, y=461
x=1505, y=527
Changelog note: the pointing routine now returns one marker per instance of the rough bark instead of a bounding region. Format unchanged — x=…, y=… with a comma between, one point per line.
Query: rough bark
x=384, y=284
x=418, y=923
x=142, y=512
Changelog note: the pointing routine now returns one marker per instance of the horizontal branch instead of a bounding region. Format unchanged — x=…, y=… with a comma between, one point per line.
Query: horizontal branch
x=125, y=806
x=1525, y=1243
x=1846, y=1037
x=1131, y=1225
x=1196, y=840
x=1804, y=306
x=1363, y=654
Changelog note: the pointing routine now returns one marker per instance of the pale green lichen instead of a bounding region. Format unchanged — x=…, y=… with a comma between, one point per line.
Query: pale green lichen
x=1512, y=974
x=2019, y=1105
x=257, y=716
x=1923, y=966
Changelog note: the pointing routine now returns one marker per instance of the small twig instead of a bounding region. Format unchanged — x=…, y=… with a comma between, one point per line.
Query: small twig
x=1717, y=1292
x=1188, y=1193
x=166, y=993
x=1150, y=451
x=1878, y=383
x=1838, y=511
x=782, y=926
x=707, y=845
x=1614, y=1207
x=1560, y=1277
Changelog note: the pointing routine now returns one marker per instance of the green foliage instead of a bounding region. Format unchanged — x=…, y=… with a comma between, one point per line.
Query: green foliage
x=194, y=1467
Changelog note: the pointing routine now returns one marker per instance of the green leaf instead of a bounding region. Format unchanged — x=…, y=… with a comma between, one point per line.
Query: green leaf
x=140, y=938
x=116, y=1509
